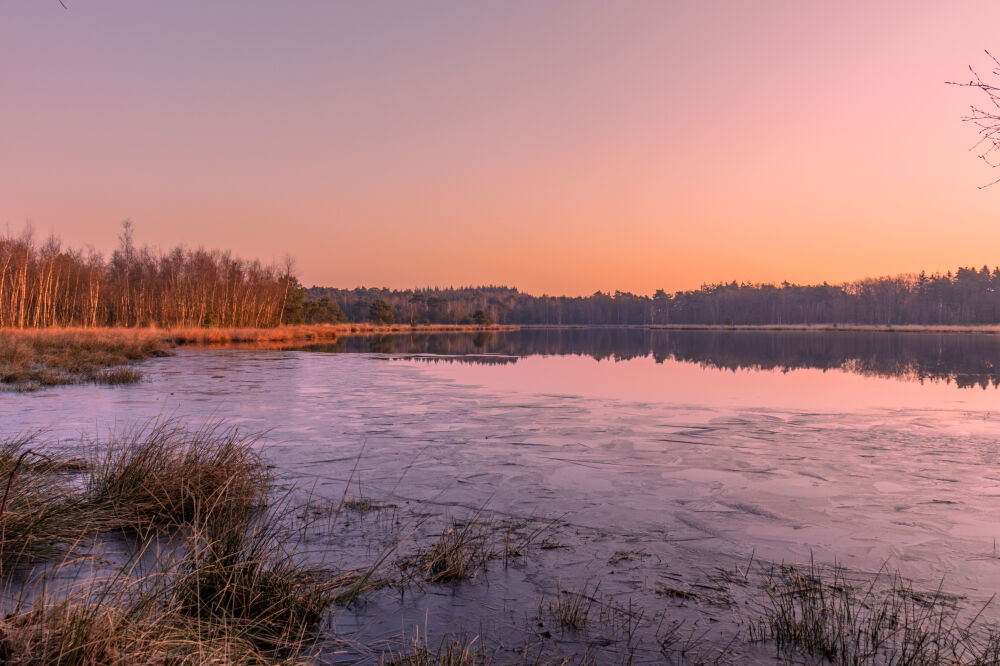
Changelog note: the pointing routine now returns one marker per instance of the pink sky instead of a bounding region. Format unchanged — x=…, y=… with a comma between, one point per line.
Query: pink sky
x=560, y=147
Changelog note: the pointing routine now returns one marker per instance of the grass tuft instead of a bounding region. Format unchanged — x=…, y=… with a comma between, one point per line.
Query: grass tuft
x=232, y=586
x=239, y=575
x=571, y=609
x=40, y=515
x=118, y=376
x=165, y=474
x=459, y=552
x=67, y=632
x=824, y=613
x=454, y=651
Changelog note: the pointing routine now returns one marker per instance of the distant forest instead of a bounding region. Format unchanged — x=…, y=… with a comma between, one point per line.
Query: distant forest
x=43, y=283
x=967, y=296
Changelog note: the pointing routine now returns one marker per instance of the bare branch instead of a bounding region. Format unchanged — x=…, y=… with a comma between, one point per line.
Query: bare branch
x=986, y=117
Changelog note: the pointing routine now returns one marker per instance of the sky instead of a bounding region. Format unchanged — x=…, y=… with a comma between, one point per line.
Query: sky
x=559, y=147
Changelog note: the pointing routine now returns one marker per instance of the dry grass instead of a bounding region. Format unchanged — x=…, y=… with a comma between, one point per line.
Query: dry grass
x=824, y=613
x=241, y=575
x=40, y=514
x=571, y=609
x=40, y=519
x=460, y=551
x=72, y=632
x=27, y=452
x=30, y=359
x=118, y=376
x=233, y=588
x=113, y=625
x=364, y=505
x=464, y=548
x=145, y=621
x=162, y=473
x=34, y=358
x=454, y=651
x=223, y=336
x=296, y=333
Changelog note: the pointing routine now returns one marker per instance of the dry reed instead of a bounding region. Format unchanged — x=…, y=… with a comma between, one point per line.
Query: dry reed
x=233, y=589
x=460, y=551
x=825, y=613
x=162, y=473
x=241, y=574
x=571, y=609
x=40, y=514
x=452, y=651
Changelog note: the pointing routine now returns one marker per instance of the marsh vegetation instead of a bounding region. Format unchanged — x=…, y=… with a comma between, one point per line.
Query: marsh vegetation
x=35, y=358
x=32, y=358
x=228, y=588
x=165, y=543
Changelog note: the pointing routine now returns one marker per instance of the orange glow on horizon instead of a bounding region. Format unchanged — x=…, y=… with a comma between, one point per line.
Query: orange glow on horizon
x=559, y=147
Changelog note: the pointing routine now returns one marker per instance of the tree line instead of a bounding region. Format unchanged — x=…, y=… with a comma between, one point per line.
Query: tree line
x=45, y=284
x=967, y=296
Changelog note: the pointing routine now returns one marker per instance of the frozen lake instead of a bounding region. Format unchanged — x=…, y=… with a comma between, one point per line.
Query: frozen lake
x=662, y=457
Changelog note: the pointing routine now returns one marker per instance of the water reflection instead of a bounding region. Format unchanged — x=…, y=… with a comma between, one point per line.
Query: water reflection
x=968, y=360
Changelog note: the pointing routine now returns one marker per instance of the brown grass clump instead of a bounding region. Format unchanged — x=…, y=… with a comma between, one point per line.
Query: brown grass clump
x=30, y=358
x=459, y=553
x=464, y=548
x=40, y=515
x=240, y=575
x=571, y=609
x=67, y=633
x=823, y=613
x=232, y=588
x=119, y=624
x=118, y=376
x=164, y=474
x=457, y=651
x=40, y=520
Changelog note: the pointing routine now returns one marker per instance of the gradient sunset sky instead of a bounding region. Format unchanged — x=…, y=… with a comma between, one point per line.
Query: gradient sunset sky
x=560, y=147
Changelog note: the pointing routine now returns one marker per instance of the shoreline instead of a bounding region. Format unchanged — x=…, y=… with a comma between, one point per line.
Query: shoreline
x=305, y=332
x=300, y=332
x=221, y=335
x=989, y=329
x=34, y=358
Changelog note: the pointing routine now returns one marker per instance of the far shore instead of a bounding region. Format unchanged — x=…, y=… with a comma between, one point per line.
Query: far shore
x=304, y=332
x=873, y=328
x=34, y=358
x=193, y=335
x=209, y=335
